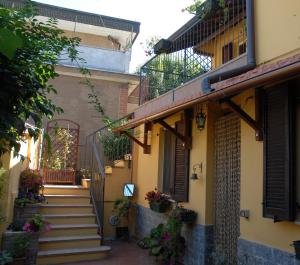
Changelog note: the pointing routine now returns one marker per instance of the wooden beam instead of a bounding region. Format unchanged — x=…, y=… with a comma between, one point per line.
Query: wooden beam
x=147, y=128
x=185, y=137
x=172, y=130
x=145, y=147
x=245, y=117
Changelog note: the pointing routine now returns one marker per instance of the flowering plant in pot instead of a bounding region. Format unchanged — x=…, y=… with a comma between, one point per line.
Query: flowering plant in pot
x=29, y=197
x=158, y=201
x=166, y=243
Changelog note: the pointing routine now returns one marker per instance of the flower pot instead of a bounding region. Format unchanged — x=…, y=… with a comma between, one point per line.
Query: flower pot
x=26, y=212
x=122, y=232
x=86, y=183
x=160, y=207
x=188, y=217
x=296, y=245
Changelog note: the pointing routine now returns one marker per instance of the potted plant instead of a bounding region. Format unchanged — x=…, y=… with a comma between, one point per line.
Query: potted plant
x=5, y=257
x=29, y=197
x=296, y=245
x=121, y=210
x=158, y=202
x=185, y=215
x=166, y=243
x=85, y=176
x=32, y=228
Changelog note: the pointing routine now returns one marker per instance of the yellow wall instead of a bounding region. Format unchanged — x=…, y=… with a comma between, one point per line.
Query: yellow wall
x=279, y=235
x=237, y=35
x=14, y=166
x=146, y=169
x=256, y=228
x=93, y=40
x=277, y=30
x=114, y=184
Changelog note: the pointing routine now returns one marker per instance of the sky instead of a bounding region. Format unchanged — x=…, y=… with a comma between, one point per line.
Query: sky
x=158, y=17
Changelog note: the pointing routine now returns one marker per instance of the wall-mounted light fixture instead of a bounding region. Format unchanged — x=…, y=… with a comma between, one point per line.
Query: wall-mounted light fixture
x=194, y=174
x=200, y=119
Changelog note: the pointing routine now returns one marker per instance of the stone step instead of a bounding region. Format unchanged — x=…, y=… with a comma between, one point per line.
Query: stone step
x=72, y=230
x=66, y=208
x=72, y=255
x=69, y=242
x=85, y=218
x=67, y=199
x=65, y=189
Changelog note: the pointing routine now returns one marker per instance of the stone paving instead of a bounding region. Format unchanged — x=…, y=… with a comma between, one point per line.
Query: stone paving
x=123, y=253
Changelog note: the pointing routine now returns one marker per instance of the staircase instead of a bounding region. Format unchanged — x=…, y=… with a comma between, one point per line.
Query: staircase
x=74, y=234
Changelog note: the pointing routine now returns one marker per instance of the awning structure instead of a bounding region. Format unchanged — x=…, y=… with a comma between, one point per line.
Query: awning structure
x=266, y=74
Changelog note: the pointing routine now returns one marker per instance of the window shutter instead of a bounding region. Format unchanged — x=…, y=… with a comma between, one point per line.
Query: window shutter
x=181, y=167
x=278, y=169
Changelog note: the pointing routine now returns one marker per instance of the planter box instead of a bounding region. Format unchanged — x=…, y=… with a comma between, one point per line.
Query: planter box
x=25, y=213
x=86, y=183
x=10, y=236
x=19, y=261
x=160, y=207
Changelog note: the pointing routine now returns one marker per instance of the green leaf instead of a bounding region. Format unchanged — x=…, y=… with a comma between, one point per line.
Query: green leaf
x=9, y=43
x=156, y=250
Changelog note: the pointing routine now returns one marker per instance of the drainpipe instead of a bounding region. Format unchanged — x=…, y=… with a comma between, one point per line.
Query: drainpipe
x=251, y=63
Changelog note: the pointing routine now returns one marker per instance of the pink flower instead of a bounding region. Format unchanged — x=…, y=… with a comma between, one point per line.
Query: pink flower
x=27, y=227
x=47, y=228
x=166, y=236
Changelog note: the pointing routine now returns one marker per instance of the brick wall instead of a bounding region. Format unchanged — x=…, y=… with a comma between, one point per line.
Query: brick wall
x=123, y=100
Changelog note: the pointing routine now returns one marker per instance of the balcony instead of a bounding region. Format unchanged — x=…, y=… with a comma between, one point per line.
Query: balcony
x=214, y=41
x=101, y=59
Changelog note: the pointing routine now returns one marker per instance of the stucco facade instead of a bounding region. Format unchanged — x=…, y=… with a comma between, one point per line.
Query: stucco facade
x=261, y=240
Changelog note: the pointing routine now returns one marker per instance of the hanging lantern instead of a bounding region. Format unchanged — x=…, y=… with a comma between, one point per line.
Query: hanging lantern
x=200, y=119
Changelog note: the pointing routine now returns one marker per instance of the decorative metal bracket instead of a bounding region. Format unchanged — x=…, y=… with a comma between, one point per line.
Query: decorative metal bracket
x=255, y=124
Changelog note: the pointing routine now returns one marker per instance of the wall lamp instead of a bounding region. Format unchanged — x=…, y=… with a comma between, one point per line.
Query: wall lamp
x=200, y=119
x=194, y=174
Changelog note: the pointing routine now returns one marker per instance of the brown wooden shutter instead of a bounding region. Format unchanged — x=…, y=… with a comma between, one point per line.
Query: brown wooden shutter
x=278, y=169
x=181, y=167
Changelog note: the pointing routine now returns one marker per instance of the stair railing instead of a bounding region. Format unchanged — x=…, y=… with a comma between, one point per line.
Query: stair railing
x=101, y=149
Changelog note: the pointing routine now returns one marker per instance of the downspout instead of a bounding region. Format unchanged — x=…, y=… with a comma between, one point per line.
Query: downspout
x=251, y=62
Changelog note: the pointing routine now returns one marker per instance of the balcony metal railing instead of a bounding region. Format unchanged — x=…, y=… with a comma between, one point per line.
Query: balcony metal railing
x=215, y=36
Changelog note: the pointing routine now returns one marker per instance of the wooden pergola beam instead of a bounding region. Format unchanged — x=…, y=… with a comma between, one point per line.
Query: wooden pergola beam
x=255, y=124
x=131, y=137
x=171, y=129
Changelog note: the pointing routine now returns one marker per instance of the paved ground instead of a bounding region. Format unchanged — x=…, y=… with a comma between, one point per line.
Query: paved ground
x=123, y=253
